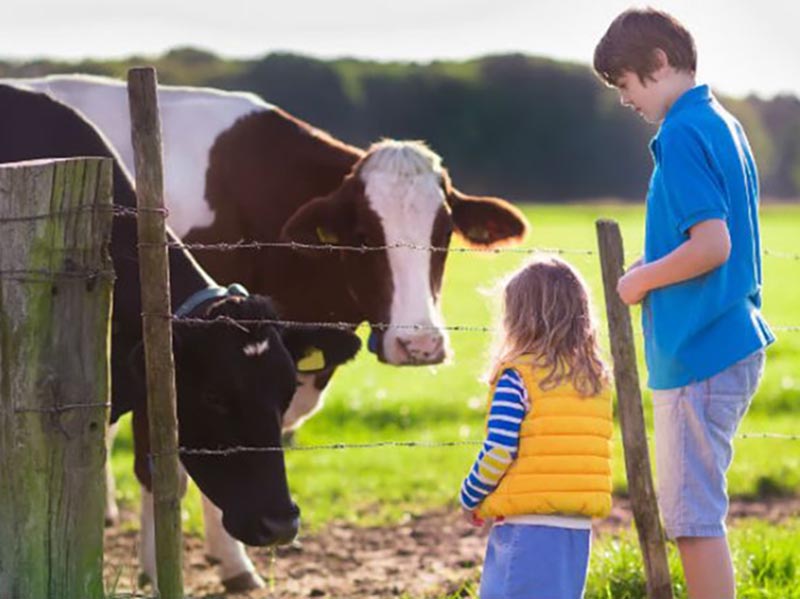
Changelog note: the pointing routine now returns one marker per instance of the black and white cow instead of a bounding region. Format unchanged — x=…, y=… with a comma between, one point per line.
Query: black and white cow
x=234, y=383
x=238, y=168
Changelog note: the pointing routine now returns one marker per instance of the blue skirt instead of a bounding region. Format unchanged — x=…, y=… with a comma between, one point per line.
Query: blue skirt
x=525, y=561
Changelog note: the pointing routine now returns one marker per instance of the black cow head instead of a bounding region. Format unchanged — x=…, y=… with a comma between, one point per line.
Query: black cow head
x=234, y=382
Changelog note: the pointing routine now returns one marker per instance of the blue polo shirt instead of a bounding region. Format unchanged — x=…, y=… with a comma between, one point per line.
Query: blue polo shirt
x=704, y=169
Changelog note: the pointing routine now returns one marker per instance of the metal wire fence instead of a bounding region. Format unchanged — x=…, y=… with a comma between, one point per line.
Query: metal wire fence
x=46, y=276
x=43, y=276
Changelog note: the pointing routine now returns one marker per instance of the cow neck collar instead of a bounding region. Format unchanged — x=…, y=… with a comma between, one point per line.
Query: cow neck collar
x=209, y=293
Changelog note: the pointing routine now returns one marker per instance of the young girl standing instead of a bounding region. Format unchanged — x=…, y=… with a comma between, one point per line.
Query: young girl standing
x=544, y=469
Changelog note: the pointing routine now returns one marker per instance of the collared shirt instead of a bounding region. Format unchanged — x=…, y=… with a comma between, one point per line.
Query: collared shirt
x=704, y=169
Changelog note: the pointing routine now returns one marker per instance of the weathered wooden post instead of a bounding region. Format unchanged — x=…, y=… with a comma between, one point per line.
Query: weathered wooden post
x=631, y=416
x=55, y=308
x=160, y=365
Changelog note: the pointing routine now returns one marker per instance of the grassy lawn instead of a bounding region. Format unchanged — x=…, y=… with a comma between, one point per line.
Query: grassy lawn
x=766, y=558
x=370, y=402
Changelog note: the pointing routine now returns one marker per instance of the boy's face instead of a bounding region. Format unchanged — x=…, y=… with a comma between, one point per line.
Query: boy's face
x=647, y=98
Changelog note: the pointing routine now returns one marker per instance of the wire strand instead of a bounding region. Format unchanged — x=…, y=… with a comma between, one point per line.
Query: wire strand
x=60, y=409
x=229, y=451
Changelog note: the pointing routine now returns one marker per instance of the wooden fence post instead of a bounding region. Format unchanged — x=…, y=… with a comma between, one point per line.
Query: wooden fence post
x=55, y=307
x=154, y=273
x=631, y=416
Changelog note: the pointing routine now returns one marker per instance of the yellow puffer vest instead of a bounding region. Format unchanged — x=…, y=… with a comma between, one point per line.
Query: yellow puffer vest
x=564, y=461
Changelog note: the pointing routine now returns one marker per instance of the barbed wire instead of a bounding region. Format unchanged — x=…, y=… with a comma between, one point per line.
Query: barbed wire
x=343, y=326
x=229, y=451
x=47, y=276
x=362, y=249
x=786, y=255
x=780, y=436
x=122, y=211
x=63, y=408
x=131, y=212
x=324, y=447
x=349, y=326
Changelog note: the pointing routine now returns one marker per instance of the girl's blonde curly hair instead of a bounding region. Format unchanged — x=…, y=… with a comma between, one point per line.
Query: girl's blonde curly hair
x=547, y=313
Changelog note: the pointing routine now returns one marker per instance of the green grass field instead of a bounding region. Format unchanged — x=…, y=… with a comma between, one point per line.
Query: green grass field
x=369, y=402
x=767, y=562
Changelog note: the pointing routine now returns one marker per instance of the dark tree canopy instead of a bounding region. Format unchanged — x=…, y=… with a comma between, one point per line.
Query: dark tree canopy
x=523, y=127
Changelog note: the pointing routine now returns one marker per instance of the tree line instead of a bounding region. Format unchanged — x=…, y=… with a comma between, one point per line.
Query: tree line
x=522, y=127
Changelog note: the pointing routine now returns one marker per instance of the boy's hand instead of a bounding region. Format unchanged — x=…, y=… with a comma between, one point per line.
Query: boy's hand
x=637, y=264
x=631, y=286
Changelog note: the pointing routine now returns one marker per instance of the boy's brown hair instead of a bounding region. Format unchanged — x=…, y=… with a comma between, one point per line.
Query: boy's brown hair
x=631, y=40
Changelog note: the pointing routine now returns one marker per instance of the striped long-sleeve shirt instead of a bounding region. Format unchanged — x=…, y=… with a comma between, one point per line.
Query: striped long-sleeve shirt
x=507, y=410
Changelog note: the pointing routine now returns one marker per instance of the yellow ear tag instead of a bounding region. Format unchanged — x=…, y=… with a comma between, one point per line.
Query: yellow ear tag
x=326, y=236
x=313, y=360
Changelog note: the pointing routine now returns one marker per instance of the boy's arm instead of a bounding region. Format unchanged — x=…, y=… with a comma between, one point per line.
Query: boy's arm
x=708, y=246
x=502, y=440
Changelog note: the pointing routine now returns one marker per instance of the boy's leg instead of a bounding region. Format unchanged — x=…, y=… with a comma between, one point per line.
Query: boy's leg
x=701, y=556
x=695, y=426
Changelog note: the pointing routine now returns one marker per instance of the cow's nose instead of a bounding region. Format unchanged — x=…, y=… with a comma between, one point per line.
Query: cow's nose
x=263, y=531
x=280, y=531
x=423, y=348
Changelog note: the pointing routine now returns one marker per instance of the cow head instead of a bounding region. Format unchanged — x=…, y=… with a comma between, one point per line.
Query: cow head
x=234, y=383
x=399, y=195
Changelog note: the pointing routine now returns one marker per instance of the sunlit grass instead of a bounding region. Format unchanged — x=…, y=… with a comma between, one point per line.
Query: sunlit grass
x=766, y=559
x=369, y=402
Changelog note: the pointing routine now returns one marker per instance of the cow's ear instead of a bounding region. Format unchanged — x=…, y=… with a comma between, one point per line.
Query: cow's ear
x=314, y=349
x=327, y=220
x=487, y=221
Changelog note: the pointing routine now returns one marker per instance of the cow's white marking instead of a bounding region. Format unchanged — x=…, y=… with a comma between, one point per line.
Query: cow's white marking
x=306, y=400
x=230, y=553
x=147, y=537
x=252, y=350
x=191, y=120
x=403, y=186
x=147, y=528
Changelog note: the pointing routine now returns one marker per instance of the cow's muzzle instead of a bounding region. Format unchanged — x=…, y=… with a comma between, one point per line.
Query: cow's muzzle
x=264, y=531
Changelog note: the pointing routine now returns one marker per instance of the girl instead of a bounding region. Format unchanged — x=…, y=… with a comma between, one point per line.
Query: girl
x=544, y=469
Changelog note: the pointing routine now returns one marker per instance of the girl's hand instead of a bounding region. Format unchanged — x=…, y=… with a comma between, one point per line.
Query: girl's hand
x=472, y=517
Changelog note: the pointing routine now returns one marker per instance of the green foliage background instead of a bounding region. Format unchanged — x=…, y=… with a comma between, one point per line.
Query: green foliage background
x=522, y=127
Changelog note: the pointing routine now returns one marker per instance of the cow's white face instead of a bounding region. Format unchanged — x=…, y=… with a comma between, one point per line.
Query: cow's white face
x=403, y=186
x=398, y=194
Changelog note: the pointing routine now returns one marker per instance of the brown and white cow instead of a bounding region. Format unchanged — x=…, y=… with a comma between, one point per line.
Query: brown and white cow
x=239, y=169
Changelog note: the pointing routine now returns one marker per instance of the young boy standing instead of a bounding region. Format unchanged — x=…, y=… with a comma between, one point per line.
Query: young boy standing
x=699, y=283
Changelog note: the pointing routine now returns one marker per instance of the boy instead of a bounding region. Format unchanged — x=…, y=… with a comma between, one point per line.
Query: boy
x=699, y=283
